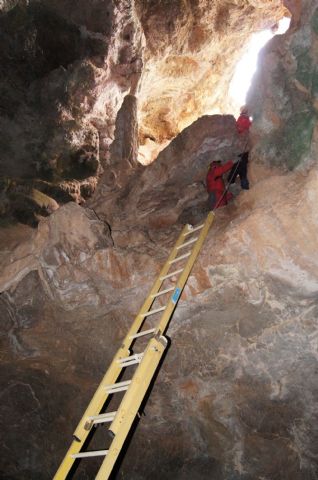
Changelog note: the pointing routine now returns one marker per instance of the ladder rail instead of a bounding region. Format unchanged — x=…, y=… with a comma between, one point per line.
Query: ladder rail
x=171, y=305
x=137, y=388
x=130, y=404
x=139, y=319
x=114, y=370
x=96, y=404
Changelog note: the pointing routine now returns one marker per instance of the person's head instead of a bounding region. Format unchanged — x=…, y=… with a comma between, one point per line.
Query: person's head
x=243, y=156
x=215, y=162
x=244, y=110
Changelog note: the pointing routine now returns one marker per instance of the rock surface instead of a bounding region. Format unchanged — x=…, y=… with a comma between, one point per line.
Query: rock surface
x=192, y=48
x=66, y=73
x=284, y=98
x=236, y=397
x=165, y=192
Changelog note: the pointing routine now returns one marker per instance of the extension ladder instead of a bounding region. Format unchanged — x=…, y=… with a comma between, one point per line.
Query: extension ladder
x=185, y=252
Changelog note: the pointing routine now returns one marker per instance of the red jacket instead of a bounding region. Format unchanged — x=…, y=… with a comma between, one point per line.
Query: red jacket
x=243, y=123
x=214, y=180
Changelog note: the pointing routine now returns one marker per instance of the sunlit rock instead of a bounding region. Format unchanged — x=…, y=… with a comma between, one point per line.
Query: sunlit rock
x=191, y=51
x=283, y=99
x=67, y=72
x=169, y=188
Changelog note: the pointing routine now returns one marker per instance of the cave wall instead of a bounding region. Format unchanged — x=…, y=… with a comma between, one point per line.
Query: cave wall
x=65, y=73
x=236, y=396
x=68, y=67
x=283, y=99
x=192, y=47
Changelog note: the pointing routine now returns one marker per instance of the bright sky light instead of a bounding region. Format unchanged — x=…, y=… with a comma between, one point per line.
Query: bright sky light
x=246, y=67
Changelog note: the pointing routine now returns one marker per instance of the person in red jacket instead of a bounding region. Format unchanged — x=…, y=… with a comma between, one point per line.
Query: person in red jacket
x=218, y=197
x=243, y=122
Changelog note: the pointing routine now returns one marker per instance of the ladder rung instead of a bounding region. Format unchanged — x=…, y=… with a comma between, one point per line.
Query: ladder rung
x=195, y=229
x=152, y=312
x=162, y=292
x=118, y=387
x=141, y=334
x=96, y=453
x=102, y=418
x=134, y=390
x=132, y=360
x=185, y=244
x=180, y=258
x=171, y=274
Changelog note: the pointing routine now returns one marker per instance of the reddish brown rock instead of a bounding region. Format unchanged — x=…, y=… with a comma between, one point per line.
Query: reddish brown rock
x=241, y=364
x=66, y=73
x=236, y=395
x=191, y=51
x=168, y=190
x=61, y=96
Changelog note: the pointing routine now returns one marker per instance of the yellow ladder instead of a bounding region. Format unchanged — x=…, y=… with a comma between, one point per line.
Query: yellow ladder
x=185, y=250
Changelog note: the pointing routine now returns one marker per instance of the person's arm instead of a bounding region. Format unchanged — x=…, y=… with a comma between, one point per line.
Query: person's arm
x=221, y=169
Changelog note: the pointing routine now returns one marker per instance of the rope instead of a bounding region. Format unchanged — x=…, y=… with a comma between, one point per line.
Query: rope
x=227, y=186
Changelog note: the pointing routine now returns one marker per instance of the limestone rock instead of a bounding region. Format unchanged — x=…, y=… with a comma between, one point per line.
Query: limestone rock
x=283, y=100
x=191, y=51
x=241, y=366
x=236, y=397
x=156, y=196
x=67, y=71
x=65, y=74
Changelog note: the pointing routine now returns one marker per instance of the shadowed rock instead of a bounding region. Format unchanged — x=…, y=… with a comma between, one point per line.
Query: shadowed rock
x=236, y=397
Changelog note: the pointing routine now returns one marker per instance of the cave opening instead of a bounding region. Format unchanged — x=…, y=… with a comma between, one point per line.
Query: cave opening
x=213, y=88
x=247, y=65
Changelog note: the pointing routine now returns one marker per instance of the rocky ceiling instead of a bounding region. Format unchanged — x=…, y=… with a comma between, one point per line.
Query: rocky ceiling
x=190, y=53
x=65, y=73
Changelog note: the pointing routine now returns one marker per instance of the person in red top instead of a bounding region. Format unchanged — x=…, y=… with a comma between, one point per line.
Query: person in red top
x=218, y=197
x=243, y=122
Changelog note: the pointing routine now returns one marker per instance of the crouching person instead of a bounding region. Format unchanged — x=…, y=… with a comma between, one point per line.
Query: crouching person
x=218, y=196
